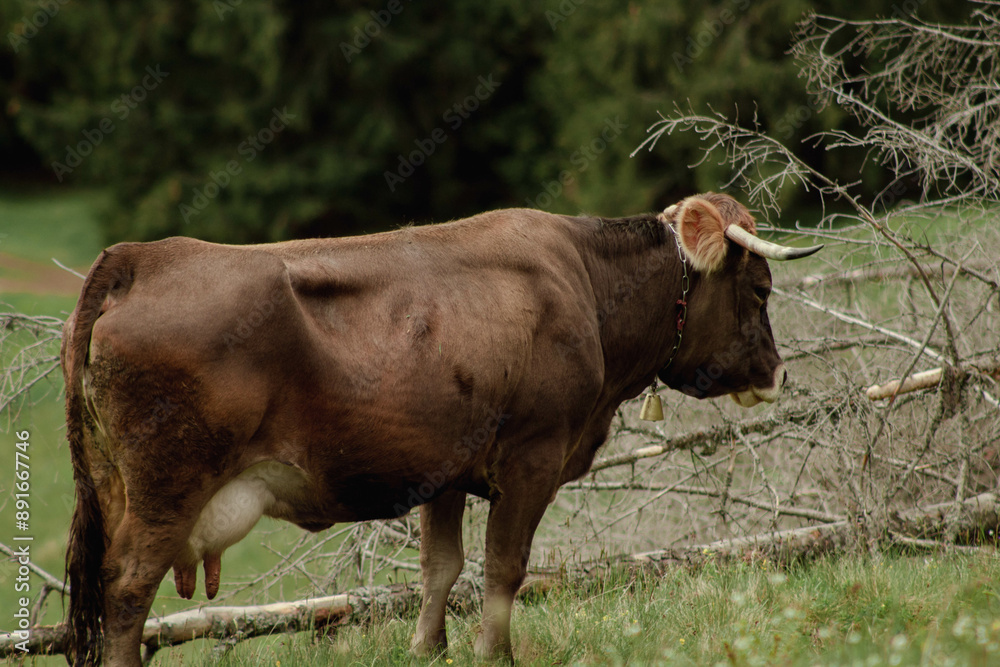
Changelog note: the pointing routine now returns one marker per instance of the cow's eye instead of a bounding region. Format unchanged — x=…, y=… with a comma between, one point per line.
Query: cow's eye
x=762, y=293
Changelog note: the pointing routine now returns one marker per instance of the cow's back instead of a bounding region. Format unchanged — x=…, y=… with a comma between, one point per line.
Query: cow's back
x=469, y=299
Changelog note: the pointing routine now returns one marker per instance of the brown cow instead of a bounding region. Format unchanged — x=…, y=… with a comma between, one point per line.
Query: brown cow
x=350, y=379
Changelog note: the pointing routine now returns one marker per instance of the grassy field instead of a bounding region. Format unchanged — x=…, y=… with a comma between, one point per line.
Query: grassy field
x=902, y=610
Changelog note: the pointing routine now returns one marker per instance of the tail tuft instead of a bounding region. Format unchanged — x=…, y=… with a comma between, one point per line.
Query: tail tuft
x=84, y=557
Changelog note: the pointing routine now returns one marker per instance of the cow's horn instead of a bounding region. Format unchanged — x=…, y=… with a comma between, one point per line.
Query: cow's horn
x=764, y=248
x=667, y=214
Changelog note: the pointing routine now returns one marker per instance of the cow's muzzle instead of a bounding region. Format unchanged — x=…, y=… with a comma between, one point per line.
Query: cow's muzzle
x=754, y=395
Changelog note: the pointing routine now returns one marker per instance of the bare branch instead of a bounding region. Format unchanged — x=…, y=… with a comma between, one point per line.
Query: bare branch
x=49, y=580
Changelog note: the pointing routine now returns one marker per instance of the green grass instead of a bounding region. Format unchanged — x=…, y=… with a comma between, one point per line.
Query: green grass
x=41, y=226
x=60, y=224
x=904, y=610
x=38, y=304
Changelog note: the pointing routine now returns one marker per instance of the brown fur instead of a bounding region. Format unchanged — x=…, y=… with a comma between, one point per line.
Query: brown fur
x=352, y=379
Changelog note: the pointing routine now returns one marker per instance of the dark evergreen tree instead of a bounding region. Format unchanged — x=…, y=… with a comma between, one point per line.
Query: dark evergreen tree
x=250, y=120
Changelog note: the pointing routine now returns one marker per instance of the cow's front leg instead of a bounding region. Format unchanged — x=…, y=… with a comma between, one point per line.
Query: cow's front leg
x=441, y=560
x=514, y=515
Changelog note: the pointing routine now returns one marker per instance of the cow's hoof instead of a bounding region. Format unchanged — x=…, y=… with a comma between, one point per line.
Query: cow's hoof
x=426, y=647
x=493, y=649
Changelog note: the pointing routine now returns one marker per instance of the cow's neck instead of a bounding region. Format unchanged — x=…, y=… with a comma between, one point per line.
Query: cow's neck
x=636, y=273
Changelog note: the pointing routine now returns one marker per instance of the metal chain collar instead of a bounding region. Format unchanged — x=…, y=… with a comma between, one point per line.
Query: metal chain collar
x=681, y=304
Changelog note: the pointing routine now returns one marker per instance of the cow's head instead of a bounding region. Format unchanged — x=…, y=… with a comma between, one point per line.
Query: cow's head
x=727, y=345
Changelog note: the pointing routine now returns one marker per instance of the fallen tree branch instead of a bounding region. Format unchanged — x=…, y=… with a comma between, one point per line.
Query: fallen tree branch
x=710, y=438
x=933, y=545
x=979, y=513
x=783, y=545
x=68, y=270
x=844, y=317
x=246, y=622
x=51, y=581
x=874, y=274
x=31, y=363
x=797, y=349
x=850, y=319
x=926, y=469
x=238, y=623
x=802, y=512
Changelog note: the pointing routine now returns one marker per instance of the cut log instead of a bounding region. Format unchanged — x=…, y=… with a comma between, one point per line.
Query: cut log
x=915, y=382
x=918, y=381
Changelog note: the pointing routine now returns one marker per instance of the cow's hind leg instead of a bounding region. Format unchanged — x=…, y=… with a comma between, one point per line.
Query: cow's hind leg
x=441, y=561
x=139, y=556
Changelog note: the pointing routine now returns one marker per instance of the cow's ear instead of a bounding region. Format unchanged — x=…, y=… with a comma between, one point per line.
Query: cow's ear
x=703, y=234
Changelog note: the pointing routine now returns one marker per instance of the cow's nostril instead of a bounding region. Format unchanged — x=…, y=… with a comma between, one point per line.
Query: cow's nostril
x=780, y=377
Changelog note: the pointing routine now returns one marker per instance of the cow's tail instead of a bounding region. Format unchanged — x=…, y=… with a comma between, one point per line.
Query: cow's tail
x=87, y=538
